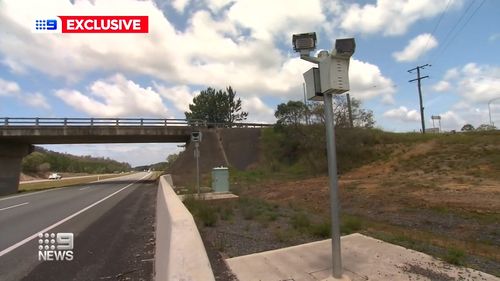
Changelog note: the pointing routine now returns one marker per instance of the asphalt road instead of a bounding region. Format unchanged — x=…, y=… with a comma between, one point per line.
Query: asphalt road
x=77, y=177
x=112, y=222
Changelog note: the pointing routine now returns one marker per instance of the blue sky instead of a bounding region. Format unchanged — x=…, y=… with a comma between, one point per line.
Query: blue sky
x=194, y=44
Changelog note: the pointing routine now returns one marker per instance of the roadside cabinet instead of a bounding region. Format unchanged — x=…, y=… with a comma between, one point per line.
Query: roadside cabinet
x=220, y=179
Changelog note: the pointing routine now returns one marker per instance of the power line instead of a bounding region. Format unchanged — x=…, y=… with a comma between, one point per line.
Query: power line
x=459, y=20
x=465, y=24
x=452, y=33
x=437, y=25
x=420, y=91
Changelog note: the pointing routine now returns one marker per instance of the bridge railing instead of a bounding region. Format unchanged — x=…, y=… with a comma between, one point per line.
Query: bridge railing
x=38, y=121
x=42, y=121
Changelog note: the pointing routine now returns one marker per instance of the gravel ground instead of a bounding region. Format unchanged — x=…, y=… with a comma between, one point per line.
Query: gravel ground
x=237, y=236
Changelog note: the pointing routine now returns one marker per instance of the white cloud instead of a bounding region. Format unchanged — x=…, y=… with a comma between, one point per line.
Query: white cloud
x=236, y=48
x=451, y=121
x=273, y=19
x=179, y=96
x=259, y=112
x=180, y=5
x=463, y=113
x=441, y=86
x=474, y=83
x=391, y=17
x=8, y=87
x=36, y=100
x=494, y=37
x=403, y=114
x=217, y=5
x=367, y=82
x=416, y=48
x=452, y=73
x=115, y=97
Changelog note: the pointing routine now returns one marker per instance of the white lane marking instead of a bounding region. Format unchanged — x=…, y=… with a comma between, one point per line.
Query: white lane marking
x=32, y=193
x=27, y=239
x=13, y=206
x=83, y=188
x=52, y=189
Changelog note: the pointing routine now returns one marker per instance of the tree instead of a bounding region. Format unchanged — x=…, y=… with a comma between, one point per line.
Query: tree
x=485, y=127
x=361, y=117
x=216, y=107
x=291, y=113
x=33, y=161
x=467, y=128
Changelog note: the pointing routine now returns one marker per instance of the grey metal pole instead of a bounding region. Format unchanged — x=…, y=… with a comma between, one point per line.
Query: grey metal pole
x=332, y=175
x=197, y=152
x=305, y=103
x=489, y=111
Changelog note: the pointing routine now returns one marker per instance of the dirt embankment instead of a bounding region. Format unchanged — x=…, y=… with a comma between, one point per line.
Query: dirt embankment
x=450, y=192
x=236, y=147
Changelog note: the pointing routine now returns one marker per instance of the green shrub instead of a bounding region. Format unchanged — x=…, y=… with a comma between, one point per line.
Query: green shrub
x=200, y=210
x=322, y=230
x=226, y=213
x=207, y=215
x=300, y=221
x=283, y=235
x=350, y=225
x=455, y=256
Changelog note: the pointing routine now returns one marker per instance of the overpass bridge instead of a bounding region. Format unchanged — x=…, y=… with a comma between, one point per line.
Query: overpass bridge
x=18, y=135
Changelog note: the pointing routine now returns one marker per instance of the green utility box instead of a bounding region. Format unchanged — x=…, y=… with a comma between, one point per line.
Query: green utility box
x=220, y=179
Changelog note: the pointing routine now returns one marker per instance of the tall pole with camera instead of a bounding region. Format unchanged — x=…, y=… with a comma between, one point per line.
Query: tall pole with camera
x=331, y=77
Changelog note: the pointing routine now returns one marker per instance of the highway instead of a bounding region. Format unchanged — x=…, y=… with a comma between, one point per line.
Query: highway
x=112, y=222
x=65, y=178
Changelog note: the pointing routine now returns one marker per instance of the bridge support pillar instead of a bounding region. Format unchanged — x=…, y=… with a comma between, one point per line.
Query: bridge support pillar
x=11, y=155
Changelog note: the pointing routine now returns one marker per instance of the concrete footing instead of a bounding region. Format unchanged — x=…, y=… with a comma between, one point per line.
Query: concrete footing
x=343, y=278
x=11, y=155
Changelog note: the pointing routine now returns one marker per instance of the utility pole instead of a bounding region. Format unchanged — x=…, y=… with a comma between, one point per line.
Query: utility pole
x=420, y=91
x=489, y=109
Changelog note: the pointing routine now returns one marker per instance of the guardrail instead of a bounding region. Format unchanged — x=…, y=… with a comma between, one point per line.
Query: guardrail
x=37, y=121
x=180, y=253
x=42, y=121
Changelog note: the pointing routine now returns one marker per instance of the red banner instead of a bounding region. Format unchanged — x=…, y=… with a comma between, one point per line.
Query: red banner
x=104, y=24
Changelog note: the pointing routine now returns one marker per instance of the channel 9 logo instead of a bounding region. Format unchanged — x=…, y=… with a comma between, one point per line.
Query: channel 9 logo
x=46, y=24
x=91, y=24
x=55, y=246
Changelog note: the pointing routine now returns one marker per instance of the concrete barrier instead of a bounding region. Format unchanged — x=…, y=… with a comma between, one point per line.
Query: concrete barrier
x=180, y=253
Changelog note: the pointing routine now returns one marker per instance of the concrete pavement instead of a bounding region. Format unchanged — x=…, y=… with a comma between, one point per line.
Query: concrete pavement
x=363, y=258
x=72, y=209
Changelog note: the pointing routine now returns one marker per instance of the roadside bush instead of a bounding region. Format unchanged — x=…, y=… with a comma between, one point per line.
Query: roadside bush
x=201, y=211
x=207, y=215
x=226, y=213
x=350, y=225
x=300, y=220
x=455, y=256
x=322, y=230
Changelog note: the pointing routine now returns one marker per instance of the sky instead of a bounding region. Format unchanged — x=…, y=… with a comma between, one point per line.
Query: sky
x=195, y=44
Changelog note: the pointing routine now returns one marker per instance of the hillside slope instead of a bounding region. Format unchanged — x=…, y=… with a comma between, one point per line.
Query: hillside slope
x=238, y=147
x=436, y=194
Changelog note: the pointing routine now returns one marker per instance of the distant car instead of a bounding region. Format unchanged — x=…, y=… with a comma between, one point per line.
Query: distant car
x=55, y=176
